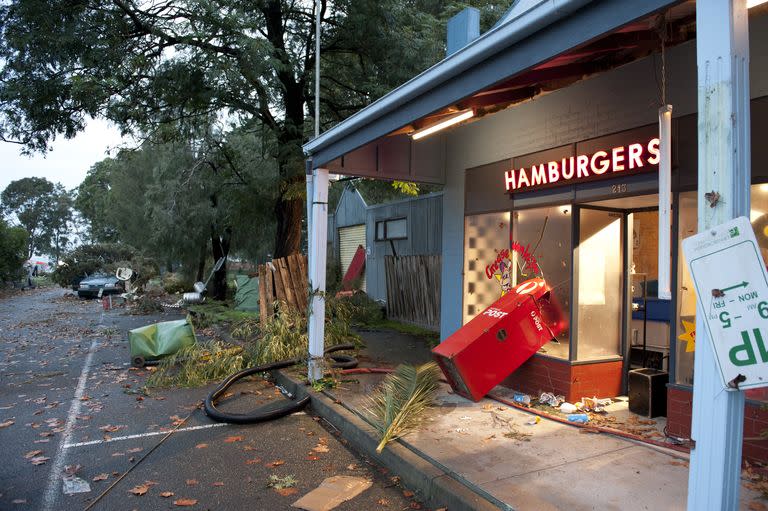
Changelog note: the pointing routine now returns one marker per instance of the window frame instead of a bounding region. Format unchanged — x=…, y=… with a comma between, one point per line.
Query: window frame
x=385, y=222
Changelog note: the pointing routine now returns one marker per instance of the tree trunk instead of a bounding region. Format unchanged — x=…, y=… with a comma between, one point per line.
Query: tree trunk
x=220, y=247
x=201, y=263
x=289, y=213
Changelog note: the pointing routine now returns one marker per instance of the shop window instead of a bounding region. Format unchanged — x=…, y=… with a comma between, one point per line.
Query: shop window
x=485, y=236
x=544, y=234
x=600, y=284
x=686, y=306
x=396, y=229
x=686, y=297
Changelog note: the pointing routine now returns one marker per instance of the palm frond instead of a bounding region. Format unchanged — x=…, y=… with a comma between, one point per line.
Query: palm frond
x=397, y=405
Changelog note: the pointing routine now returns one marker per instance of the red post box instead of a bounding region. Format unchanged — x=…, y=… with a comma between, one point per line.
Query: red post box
x=490, y=347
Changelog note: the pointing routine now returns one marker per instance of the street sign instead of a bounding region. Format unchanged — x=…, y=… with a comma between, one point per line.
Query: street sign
x=732, y=291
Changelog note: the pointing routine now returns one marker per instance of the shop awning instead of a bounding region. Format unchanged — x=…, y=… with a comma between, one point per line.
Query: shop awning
x=548, y=46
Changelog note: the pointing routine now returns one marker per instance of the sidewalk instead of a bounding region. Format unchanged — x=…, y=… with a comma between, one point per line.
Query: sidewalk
x=488, y=455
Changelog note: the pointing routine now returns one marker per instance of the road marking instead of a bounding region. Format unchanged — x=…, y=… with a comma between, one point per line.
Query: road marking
x=143, y=435
x=49, y=497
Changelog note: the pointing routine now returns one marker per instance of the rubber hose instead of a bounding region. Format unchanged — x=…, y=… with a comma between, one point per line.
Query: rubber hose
x=291, y=406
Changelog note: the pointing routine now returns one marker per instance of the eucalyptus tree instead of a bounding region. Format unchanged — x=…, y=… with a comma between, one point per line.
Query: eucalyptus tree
x=144, y=65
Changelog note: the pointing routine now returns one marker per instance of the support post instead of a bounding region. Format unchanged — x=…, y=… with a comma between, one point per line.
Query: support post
x=665, y=201
x=318, y=246
x=722, y=49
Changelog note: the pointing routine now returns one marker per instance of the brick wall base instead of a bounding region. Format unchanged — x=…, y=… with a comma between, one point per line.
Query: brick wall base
x=546, y=374
x=680, y=411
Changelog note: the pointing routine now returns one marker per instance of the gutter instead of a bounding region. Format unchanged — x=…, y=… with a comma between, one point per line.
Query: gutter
x=498, y=38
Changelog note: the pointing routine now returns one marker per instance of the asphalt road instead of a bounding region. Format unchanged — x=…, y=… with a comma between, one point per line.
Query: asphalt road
x=71, y=412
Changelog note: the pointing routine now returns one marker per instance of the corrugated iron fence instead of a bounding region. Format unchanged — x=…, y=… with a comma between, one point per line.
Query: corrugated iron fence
x=413, y=289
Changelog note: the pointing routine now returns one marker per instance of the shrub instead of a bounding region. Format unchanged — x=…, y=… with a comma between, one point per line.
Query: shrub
x=174, y=283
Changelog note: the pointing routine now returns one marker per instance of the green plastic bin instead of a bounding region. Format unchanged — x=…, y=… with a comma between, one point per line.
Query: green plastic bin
x=159, y=340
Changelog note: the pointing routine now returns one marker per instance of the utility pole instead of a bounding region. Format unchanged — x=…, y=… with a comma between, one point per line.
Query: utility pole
x=317, y=234
x=722, y=52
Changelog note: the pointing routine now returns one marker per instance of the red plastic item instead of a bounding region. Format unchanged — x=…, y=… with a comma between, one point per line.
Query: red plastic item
x=490, y=347
x=355, y=268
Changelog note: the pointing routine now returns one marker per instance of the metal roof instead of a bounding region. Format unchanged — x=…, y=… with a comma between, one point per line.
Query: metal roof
x=532, y=33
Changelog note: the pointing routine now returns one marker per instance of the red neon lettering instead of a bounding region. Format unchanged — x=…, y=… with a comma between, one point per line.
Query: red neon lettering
x=537, y=175
x=653, y=148
x=618, y=158
x=602, y=166
x=635, y=152
x=509, y=179
x=554, y=174
x=568, y=174
x=522, y=175
x=581, y=166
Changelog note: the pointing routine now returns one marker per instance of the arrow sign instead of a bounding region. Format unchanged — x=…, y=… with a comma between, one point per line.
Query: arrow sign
x=743, y=284
x=737, y=328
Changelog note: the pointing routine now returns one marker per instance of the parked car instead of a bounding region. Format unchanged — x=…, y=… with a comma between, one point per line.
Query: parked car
x=99, y=285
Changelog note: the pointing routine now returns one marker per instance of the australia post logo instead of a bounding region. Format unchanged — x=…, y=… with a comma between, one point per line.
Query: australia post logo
x=630, y=158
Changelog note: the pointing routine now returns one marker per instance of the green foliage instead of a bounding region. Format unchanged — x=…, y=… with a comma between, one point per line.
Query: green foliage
x=281, y=483
x=213, y=312
x=146, y=305
x=363, y=310
x=199, y=364
x=431, y=337
x=285, y=336
x=406, y=187
x=103, y=258
x=44, y=210
x=13, y=251
x=398, y=404
x=163, y=71
x=175, y=283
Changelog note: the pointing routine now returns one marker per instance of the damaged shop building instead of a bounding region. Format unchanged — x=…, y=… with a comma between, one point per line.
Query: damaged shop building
x=547, y=133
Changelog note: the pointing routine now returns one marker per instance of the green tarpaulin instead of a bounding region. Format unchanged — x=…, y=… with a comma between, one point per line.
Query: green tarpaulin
x=160, y=339
x=247, y=295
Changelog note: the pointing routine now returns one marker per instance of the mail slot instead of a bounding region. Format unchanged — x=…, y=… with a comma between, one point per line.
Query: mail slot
x=491, y=346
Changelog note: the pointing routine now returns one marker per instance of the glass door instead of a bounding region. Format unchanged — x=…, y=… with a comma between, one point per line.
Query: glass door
x=600, y=283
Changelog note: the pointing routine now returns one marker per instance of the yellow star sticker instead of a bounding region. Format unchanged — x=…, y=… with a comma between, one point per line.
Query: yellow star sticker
x=689, y=336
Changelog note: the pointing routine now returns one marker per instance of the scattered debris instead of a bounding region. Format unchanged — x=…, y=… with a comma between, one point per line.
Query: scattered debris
x=581, y=418
x=533, y=421
x=399, y=402
x=185, y=502
x=73, y=484
x=568, y=408
x=548, y=398
x=332, y=492
x=521, y=399
x=280, y=483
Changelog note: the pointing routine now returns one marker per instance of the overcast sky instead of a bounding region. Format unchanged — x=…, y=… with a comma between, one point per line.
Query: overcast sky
x=67, y=163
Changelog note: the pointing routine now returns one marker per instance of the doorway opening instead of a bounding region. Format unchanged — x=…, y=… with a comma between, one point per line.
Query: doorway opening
x=619, y=313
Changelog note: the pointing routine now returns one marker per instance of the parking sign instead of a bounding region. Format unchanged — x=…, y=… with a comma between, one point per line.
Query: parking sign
x=731, y=284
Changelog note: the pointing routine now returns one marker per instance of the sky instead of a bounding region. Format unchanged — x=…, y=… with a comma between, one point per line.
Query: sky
x=67, y=163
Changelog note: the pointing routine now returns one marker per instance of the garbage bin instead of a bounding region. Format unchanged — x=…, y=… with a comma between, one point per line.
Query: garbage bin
x=158, y=340
x=491, y=346
x=648, y=392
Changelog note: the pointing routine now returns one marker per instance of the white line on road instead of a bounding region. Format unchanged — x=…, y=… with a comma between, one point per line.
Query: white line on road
x=142, y=435
x=54, y=479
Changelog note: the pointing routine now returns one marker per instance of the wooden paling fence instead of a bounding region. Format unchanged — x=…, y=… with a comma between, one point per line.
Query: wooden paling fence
x=413, y=289
x=283, y=280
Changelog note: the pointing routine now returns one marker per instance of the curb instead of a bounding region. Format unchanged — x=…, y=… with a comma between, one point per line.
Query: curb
x=433, y=482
